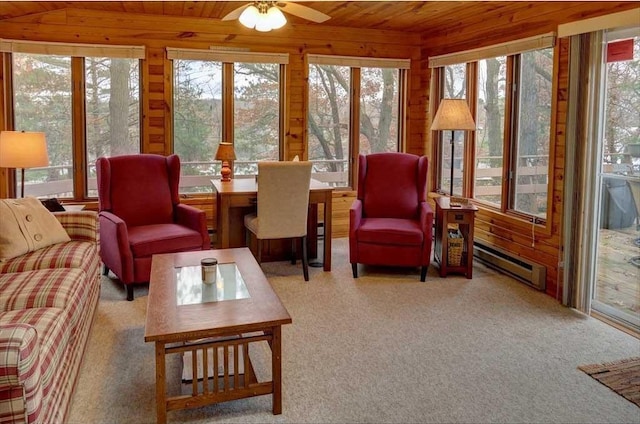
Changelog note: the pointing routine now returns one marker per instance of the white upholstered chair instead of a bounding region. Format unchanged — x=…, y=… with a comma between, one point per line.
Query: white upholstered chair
x=283, y=203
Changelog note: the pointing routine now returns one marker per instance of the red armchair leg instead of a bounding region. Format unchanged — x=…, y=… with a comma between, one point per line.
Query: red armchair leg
x=354, y=269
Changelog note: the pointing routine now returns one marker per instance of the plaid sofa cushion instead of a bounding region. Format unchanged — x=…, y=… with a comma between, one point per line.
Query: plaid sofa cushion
x=73, y=254
x=63, y=288
x=53, y=338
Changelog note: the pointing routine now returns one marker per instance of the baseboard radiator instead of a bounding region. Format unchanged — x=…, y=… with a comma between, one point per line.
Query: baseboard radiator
x=528, y=272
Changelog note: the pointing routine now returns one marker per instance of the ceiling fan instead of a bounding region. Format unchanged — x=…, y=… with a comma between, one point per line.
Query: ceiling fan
x=267, y=15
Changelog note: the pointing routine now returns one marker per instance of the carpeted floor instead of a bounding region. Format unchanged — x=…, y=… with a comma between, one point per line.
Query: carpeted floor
x=623, y=377
x=383, y=348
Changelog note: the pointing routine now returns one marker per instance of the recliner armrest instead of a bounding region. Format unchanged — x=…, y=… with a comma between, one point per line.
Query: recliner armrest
x=195, y=219
x=114, y=245
x=426, y=218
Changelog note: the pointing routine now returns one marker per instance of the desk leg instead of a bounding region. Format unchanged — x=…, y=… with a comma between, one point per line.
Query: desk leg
x=161, y=401
x=327, y=231
x=276, y=368
x=223, y=204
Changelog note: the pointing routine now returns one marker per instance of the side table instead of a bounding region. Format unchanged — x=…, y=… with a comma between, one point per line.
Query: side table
x=454, y=217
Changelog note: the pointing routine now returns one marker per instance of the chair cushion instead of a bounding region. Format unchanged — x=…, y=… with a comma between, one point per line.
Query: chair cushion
x=147, y=240
x=390, y=231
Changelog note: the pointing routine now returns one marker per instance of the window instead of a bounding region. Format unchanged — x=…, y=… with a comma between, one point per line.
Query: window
x=101, y=118
x=256, y=115
x=329, y=124
x=530, y=168
x=455, y=87
x=197, y=121
x=347, y=95
x=510, y=96
x=42, y=87
x=490, y=113
x=225, y=96
x=112, y=108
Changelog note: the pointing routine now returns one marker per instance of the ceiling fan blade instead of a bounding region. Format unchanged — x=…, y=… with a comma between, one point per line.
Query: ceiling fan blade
x=235, y=13
x=303, y=12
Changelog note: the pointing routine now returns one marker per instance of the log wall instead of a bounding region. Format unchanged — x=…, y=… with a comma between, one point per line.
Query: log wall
x=466, y=32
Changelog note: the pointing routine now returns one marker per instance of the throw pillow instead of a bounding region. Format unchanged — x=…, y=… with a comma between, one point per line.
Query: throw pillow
x=25, y=226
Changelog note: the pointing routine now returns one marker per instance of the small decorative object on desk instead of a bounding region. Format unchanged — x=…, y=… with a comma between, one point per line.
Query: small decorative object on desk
x=456, y=202
x=209, y=270
x=456, y=243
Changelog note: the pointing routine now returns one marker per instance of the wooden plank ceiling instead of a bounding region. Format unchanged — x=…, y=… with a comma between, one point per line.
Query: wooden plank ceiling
x=413, y=16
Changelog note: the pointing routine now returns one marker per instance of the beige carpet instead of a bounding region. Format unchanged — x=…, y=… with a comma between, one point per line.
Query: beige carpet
x=623, y=377
x=383, y=348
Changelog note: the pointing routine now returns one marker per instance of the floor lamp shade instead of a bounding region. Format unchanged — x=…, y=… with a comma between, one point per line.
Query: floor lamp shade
x=225, y=153
x=453, y=114
x=20, y=149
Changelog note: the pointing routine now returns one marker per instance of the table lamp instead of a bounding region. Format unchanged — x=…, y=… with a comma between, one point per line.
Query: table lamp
x=453, y=114
x=225, y=153
x=20, y=149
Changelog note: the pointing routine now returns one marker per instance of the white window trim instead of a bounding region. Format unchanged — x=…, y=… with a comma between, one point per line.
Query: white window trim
x=71, y=49
x=537, y=42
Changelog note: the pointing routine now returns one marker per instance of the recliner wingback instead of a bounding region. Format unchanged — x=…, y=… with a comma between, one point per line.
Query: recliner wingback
x=141, y=215
x=390, y=222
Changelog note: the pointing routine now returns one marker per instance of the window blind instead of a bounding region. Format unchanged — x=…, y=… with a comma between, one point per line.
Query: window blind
x=358, y=62
x=227, y=56
x=503, y=49
x=70, y=49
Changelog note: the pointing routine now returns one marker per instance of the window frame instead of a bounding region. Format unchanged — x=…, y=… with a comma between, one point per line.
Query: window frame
x=355, y=75
x=77, y=54
x=507, y=205
x=228, y=59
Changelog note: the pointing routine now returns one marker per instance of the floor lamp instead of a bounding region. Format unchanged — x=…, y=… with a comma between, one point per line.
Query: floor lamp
x=453, y=114
x=19, y=149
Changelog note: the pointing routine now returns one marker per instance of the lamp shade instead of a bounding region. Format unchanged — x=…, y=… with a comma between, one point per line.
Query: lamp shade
x=453, y=114
x=225, y=152
x=19, y=149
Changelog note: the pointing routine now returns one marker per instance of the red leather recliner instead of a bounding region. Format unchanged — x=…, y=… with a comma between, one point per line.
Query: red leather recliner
x=390, y=222
x=140, y=215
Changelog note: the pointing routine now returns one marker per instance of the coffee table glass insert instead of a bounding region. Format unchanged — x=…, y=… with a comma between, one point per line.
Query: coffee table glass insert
x=191, y=290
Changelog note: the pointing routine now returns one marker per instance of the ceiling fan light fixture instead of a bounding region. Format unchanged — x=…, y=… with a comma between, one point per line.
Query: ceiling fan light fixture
x=276, y=17
x=250, y=16
x=263, y=24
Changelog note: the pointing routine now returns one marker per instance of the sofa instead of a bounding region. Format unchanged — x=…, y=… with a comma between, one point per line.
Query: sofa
x=48, y=298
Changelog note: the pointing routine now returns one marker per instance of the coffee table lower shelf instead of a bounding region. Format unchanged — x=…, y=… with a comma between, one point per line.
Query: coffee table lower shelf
x=233, y=354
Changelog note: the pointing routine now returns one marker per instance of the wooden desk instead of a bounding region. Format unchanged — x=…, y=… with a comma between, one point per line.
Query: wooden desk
x=241, y=193
x=462, y=217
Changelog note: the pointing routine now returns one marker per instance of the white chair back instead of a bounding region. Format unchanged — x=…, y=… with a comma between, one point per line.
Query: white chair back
x=283, y=199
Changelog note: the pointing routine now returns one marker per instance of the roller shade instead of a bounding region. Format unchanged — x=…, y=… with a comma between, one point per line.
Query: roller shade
x=358, y=62
x=227, y=56
x=613, y=20
x=75, y=50
x=503, y=49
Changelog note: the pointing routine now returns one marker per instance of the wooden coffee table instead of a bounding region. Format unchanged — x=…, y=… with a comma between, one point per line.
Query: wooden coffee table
x=184, y=315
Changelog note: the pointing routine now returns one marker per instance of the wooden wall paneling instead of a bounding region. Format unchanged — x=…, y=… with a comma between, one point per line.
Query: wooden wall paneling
x=7, y=176
x=153, y=91
x=342, y=201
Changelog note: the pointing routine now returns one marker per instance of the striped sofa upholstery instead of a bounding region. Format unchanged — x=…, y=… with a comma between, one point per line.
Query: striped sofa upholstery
x=47, y=302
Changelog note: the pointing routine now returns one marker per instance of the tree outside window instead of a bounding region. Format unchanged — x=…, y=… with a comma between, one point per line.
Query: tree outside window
x=331, y=114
